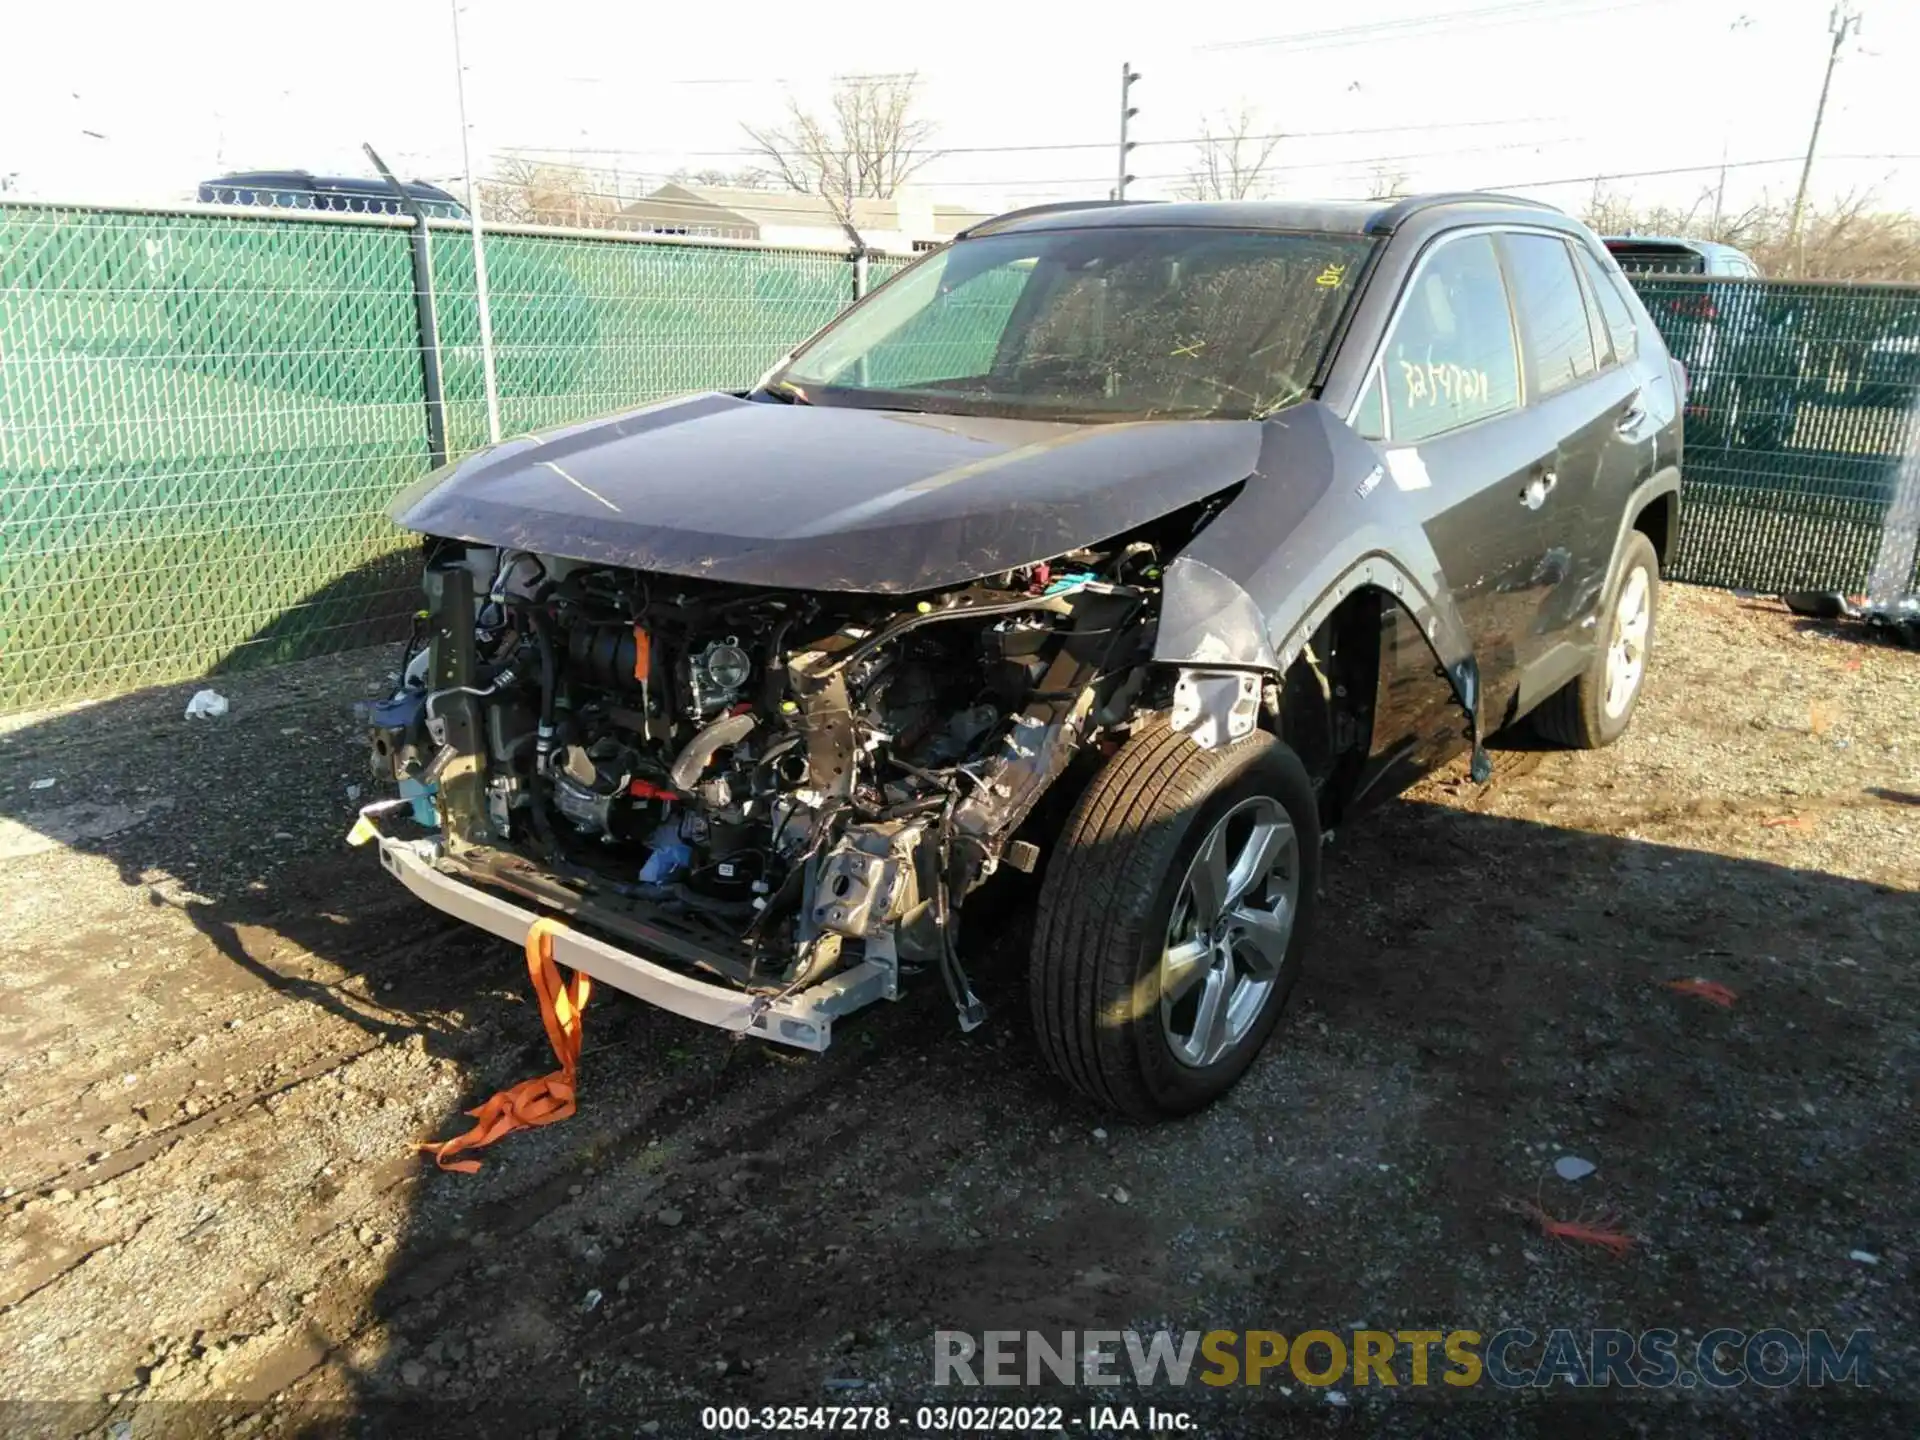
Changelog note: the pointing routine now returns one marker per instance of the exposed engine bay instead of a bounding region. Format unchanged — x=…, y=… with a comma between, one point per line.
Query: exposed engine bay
x=766, y=785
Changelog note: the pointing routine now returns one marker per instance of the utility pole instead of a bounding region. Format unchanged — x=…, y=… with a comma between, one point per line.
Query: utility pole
x=1842, y=23
x=1719, y=195
x=479, y=241
x=1127, y=76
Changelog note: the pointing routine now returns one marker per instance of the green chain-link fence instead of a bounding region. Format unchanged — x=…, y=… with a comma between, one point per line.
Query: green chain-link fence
x=203, y=416
x=583, y=327
x=201, y=419
x=1803, y=405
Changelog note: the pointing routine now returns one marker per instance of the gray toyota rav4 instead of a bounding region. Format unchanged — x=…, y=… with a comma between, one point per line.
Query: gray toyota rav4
x=1134, y=547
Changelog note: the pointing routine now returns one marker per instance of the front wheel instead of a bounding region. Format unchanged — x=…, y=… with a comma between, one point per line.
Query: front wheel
x=1172, y=919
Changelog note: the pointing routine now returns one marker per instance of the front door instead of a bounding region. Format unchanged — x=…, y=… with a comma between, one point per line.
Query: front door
x=1462, y=451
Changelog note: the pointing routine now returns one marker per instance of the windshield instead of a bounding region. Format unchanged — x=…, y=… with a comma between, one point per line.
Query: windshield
x=1113, y=323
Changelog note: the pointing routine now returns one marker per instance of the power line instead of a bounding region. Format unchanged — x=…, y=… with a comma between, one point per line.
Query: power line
x=798, y=204
x=1338, y=163
x=789, y=200
x=1590, y=177
x=1522, y=10
x=1516, y=11
x=1064, y=145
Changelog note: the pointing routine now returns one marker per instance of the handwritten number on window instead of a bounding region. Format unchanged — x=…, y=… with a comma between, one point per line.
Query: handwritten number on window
x=1442, y=381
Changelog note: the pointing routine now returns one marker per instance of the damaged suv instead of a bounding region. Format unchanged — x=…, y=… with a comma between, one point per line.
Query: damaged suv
x=1210, y=525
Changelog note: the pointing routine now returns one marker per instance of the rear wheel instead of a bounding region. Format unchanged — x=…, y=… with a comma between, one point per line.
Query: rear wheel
x=1173, y=916
x=1595, y=709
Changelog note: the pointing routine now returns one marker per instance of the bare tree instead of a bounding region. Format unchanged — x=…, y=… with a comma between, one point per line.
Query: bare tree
x=867, y=145
x=1233, y=159
x=539, y=192
x=1846, y=238
x=750, y=178
x=1388, y=184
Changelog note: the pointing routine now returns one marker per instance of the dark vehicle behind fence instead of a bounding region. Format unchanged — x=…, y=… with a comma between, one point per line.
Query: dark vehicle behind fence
x=1736, y=342
x=337, y=194
x=240, y=309
x=1134, y=546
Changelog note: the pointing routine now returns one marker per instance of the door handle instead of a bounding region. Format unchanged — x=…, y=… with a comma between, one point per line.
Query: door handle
x=1631, y=417
x=1538, y=488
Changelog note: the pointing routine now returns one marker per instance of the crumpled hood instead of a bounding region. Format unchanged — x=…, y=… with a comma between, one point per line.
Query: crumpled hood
x=823, y=497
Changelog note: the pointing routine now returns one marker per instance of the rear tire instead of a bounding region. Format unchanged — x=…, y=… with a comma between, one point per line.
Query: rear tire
x=1595, y=708
x=1129, y=950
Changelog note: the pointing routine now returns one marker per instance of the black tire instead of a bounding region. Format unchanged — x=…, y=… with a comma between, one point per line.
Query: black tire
x=1576, y=716
x=1111, y=887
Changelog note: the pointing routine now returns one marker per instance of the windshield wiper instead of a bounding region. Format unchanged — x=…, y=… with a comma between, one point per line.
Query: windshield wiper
x=787, y=392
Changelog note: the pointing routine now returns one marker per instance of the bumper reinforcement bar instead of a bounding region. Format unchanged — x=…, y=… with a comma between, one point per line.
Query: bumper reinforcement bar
x=803, y=1020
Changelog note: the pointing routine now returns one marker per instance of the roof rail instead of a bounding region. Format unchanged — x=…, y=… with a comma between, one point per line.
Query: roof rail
x=1401, y=211
x=1058, y=207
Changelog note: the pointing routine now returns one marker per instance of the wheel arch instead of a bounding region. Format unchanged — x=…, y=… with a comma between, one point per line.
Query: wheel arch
x=1362, y=684
x=1652, y=509
x=1656, y=515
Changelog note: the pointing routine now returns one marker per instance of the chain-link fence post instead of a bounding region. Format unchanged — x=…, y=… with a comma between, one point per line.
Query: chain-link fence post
x=420, y=246
x=485, y=308
x=1896, y=563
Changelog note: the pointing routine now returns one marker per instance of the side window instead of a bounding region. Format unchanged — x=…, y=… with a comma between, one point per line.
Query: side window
x=1553, y=312
x=1614, y=314
x=1450, y=360
x=1596, y=327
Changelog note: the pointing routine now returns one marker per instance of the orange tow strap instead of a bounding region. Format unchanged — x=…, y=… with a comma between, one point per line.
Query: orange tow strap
x=531, y=1102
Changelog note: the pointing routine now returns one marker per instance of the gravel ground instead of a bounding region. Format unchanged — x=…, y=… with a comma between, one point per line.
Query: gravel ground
x=224, y=1033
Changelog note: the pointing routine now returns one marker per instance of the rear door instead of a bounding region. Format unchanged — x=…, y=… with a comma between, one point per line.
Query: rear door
x=1633, y=450
x=1445, y=403
x=1593, y=412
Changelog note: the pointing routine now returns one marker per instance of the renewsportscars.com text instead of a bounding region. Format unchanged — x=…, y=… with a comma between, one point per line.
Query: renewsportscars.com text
x=1509, y=1359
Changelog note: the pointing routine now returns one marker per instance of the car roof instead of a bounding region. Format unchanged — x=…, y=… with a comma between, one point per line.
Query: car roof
x=1326, y=217
x=323, y=184
x=1709, y=248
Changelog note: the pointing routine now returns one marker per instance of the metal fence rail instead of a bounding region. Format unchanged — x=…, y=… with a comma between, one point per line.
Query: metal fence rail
x=204, y=412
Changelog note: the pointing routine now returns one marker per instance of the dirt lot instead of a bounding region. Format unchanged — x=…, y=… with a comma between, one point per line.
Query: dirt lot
x=223, y=1032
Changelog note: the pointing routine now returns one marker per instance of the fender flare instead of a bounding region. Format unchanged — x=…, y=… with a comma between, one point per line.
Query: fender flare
x=1665, y=481
x=1209, y=622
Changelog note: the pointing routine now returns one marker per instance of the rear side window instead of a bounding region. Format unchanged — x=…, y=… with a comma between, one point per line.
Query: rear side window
x=1450, y=360
x=1552, y=310
x=1614, y=314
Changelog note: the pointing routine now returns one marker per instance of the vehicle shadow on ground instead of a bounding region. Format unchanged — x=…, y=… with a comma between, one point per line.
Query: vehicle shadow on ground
x=236, y=822
x=779, y=1230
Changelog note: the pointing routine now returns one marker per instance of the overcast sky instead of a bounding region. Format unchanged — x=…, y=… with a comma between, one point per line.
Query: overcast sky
x=139, y=101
